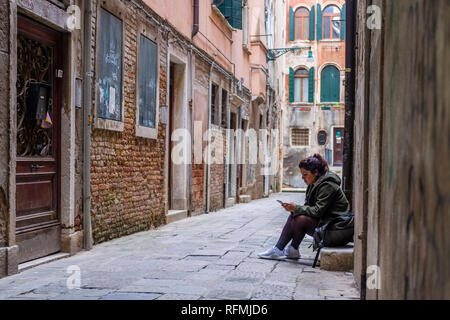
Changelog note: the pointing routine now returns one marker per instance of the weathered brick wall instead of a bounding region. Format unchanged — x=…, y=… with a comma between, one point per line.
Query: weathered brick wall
x=216, y=187
x=127, y=172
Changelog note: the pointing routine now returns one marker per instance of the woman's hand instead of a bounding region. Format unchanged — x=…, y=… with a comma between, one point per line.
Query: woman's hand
x=289, y=206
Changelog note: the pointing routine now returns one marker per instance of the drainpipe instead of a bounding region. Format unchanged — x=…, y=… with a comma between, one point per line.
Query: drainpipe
x=349, y=99
x=191, y=106
x=195, y=27
x=316, y=76
x=208, y=166
x=87, y=95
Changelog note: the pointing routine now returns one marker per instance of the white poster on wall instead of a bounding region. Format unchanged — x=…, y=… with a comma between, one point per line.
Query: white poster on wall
x=112, y=99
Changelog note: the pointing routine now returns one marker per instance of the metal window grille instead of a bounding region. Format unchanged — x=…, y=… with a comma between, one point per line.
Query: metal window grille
x=300, y=137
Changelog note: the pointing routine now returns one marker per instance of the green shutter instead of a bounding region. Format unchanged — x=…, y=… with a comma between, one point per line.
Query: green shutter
x=343, y=14
x=312, y=16
x=232, y=11
x=319, y=22
x=291, y=24
x=330, y=85
x=236, y=14
x=225, y=8
x=291, y=85
x=311, y=85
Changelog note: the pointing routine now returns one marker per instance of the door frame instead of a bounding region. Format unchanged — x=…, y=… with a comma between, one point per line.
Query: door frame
x=332, y=140
x=40, y=32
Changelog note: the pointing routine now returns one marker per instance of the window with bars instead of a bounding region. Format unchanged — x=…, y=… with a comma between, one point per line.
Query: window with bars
x=299, y=137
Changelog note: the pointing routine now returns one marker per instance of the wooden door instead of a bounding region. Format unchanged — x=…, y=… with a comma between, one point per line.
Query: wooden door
x=39, y=53
x=338, y=146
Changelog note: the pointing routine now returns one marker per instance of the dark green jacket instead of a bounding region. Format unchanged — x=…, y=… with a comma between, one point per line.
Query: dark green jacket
x=325, y=199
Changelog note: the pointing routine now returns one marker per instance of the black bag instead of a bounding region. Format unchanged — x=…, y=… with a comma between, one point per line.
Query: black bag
x=335, y=233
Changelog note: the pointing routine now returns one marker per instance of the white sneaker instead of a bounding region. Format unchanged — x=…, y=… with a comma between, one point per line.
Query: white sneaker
x=291, y=253
x=273, y=253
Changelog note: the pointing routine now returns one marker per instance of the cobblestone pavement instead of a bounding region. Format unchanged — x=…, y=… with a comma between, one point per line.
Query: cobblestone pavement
x=210, y=257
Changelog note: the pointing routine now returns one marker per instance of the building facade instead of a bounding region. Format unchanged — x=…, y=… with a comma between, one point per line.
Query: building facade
x=120, y=116
x=313, y=74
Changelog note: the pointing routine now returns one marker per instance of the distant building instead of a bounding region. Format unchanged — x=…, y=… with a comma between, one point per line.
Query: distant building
x=312, y=80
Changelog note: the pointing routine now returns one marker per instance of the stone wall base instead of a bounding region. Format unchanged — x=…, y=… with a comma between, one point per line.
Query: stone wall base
x=72, y=243
x=9, y=264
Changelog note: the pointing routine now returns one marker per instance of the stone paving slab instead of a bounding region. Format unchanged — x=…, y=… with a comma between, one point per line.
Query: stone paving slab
x=211, y=256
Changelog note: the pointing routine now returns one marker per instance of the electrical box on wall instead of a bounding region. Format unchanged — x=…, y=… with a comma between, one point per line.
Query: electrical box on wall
x=38, y=100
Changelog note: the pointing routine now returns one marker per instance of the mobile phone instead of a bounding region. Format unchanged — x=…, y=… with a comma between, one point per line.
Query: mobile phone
x=281, y=202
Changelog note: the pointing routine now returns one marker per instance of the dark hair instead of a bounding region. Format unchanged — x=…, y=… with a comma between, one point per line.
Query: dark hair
x=316, y=162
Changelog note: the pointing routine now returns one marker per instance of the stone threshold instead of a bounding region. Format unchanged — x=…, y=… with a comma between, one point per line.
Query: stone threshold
x=34, y=263
x=175, y=215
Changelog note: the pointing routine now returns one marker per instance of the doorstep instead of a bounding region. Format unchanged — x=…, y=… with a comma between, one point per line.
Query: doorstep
x=175, y=215
x=34, y=263
x=337, y=259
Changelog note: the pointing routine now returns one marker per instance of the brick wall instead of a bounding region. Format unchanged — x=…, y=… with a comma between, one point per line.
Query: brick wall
x=127, y=172
x=216, y=187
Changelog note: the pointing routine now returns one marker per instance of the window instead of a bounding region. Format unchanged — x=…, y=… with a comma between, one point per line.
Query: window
x=302, y=24
x=224, y=107
x=214, y=104
x=148, y=55
x=301, y=85
x=299, y=137
x=330, y=84
x=110, y=67
x=231, y=10
x=331, y=22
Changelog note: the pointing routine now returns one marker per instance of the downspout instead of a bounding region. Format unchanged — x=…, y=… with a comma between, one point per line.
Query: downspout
x=349, y=99
x=195, y=27
x=316, y=76
x=208, y=166
x=191, y=106
x=87, y=95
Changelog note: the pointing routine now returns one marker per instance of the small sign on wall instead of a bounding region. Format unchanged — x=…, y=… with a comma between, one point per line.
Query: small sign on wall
x=164, y=114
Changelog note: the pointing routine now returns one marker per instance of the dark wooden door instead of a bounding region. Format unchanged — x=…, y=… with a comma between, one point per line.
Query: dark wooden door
x=338, y=146
x=39, y=59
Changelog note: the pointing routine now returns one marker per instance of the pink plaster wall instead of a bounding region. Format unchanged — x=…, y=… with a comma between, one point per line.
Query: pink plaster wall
x=216, y=36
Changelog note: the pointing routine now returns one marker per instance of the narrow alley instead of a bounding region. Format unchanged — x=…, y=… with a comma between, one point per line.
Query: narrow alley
x=185, y=260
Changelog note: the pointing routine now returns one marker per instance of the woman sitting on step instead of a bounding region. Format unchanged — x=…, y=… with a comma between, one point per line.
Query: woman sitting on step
x=324, y=201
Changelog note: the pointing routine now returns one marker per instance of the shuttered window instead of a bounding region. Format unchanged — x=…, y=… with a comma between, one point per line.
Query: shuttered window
x=299, y=137
x=331, y=22
x=330, y=84
x=301, y=24
x=301, y=86
x=231, y=10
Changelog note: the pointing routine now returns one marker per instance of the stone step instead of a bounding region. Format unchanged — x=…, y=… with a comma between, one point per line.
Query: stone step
x=245, y=198
x=175, y=215
x=337, y=259
x=37, y=262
